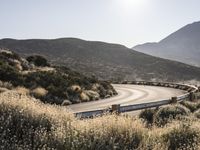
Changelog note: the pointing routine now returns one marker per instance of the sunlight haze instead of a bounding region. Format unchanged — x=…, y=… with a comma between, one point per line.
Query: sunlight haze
x=127, y=22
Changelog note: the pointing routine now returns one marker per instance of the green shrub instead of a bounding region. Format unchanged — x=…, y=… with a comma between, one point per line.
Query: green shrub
x=182, y=137
x=165, y=114
x=9, y=54
x=53, y=82
x=10, y=74
x=148, y=115
x=38, y=60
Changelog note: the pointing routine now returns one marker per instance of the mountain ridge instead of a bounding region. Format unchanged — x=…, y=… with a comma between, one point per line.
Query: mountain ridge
x=183, y=45
x=105, y=60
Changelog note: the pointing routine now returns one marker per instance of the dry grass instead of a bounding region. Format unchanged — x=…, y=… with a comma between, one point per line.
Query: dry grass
x=22, y=90
x=27, y=123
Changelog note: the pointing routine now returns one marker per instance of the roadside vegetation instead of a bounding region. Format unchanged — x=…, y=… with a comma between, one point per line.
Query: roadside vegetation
x=27, y=123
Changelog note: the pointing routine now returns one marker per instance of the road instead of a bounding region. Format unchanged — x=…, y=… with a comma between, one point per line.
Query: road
x=129, y=94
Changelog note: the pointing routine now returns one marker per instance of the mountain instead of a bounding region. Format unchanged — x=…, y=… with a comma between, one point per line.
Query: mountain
x=182, y=45
x=104, y=60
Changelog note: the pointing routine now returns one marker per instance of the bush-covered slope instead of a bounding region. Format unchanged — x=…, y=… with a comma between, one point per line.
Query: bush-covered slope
x=104, y=60
x=52, y=84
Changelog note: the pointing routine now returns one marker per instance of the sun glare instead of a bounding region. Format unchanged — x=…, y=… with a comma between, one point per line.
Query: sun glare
x=130, y=5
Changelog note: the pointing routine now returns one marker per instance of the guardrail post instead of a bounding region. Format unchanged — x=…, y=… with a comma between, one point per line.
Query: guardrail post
x=116, y=108
x=174, y=100
x=192, y=96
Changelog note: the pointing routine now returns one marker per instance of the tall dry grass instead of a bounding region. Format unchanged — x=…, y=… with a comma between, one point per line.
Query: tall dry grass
x=26, y=123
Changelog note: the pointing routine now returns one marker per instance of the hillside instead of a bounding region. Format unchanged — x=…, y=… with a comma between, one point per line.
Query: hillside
x=104, y=60
x=182, y=45
x=34, y=76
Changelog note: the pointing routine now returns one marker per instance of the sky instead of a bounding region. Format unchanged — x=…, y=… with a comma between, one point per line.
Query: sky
x=127, y=22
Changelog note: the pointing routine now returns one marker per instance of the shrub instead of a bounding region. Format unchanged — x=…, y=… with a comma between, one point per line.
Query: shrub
x=182, y=137
x=38, y=60
x=92, y=95
x=165, y=114
x=9, y=54
x=148, y=115
x=39, y=92
x=192, y=106
x=10, y=74
x=75, y=88
x=7, y=85
x=22, y=90
x=84, y=97
x=197, y=114
x=53, y=82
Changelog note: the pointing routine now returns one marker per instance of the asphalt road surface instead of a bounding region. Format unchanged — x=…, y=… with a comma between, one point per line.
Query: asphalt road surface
x=129, y=94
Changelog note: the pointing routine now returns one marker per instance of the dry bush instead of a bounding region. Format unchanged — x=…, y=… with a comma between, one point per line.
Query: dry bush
x=84, y=97
x=75, y=88
x=92, y=94
x=22, y=90
x=39, y=92
x=19, y=66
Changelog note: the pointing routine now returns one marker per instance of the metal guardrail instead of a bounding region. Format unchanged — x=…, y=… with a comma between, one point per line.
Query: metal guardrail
x=121, y=109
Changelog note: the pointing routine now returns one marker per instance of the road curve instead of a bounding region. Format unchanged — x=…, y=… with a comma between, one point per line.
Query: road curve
x=129, y=94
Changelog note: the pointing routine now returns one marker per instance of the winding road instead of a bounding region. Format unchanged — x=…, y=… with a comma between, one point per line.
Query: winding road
x=129, y=94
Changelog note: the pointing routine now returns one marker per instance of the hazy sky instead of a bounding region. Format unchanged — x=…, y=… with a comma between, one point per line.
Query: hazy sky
x=128, y=22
